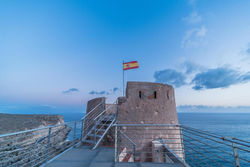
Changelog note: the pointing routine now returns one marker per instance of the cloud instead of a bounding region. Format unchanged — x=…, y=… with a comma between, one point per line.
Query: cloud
x=192, y=2
x=98, y=93
x=104, y=92
x=191, y=67
x=193, y=18
x=194, y=37
x=245, y=77
x=201, y=32
x=170, y=76
x=71, y=90
x=221, y=77
x=248, y=50
x=115, y=89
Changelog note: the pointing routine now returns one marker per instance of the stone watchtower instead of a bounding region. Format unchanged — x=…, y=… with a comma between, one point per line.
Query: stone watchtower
x=147, y=103
x=144, y=105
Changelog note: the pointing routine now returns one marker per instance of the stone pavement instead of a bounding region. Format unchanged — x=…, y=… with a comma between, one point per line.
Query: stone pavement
x=83, y=156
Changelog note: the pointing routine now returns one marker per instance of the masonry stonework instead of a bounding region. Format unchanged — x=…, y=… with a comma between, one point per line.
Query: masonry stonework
x=147, y=103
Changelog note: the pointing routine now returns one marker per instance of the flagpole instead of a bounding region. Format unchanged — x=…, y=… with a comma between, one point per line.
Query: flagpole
x=122, y=79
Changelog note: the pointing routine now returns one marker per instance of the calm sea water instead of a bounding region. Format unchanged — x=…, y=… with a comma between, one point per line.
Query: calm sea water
x=225, y=124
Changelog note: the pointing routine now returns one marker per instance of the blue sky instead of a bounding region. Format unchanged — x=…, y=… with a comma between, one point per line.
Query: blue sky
x=59, y=54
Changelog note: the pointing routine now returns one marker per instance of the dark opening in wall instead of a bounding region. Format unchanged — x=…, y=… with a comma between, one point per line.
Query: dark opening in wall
x=140, y=94
x=155, y=94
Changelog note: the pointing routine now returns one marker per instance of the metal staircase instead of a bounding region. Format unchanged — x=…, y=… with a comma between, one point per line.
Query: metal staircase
x=100, y=126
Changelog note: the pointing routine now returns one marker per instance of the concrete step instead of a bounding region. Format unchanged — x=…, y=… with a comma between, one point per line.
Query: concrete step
x=93, y=135
x=89, y=141
x=102, y=130
x=103, y=124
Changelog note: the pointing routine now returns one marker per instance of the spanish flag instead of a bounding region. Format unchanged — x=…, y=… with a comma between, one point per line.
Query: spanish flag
x=130, y=65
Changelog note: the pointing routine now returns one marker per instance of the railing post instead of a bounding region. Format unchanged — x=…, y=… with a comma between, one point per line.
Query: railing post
x=48, y=145
x=116, y=151
x=116, y=108
x=236, y=155
x=82, y=130
x=182, y=144
x=134, y=151
x=95, y=132
x=74, y=136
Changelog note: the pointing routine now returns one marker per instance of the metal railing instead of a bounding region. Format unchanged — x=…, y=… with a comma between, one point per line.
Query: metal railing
x=36, y=147
x=149, y=143
x=88, y=121
x=164, y=143
x=100, y=125
x=95, y=119
x=205, y=149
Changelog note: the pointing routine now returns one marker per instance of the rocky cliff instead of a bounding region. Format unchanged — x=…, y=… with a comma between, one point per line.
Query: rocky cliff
x=19, y=122
x=31, y=147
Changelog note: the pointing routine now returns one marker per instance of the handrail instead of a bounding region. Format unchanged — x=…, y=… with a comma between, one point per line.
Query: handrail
x=228, y=139
x=200, y=146
x=127, y=138
x=164, y=125
x=92, y=110
x=104, y=111
x=35, y=129
x=104, y=134
x=172, y=152
x=22, y=142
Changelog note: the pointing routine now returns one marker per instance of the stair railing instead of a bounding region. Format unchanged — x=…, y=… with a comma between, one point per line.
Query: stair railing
x=88, y=121
x=105, y=118
x=99, y=117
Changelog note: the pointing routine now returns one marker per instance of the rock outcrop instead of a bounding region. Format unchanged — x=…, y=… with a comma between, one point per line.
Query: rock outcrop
x=35, y=146
x=10, y=123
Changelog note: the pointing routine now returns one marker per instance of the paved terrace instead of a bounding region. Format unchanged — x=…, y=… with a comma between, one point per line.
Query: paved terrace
x=83, y=156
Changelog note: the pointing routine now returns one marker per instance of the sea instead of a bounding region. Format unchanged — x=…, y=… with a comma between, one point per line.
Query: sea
x=225, y=124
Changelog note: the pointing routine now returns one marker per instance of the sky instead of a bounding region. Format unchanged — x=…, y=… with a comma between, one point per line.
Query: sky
x=56, y=55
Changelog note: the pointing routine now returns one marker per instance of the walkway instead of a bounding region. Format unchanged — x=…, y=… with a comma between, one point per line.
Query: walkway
x=83, y=156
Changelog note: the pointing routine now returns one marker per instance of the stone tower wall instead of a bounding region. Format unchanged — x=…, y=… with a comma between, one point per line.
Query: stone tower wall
x=147, y=103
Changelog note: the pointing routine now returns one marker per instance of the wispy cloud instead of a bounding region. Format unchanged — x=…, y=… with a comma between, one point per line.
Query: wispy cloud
x=70, y=91
x=115, y=89
x=193, y=18
x=171, y=77
x=194, y=37
x=248, y=50
x=221, y=77
x=192, y=2
x=104, y=92
x=98, y=92
x=191, y=67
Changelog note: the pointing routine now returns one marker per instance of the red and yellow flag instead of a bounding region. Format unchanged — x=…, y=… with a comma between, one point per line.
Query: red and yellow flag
x=130, y=65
